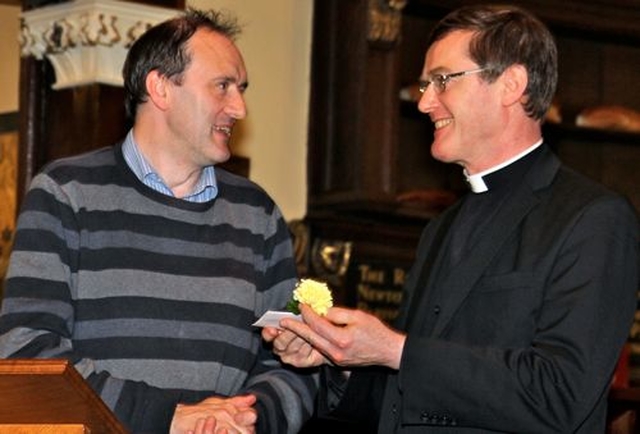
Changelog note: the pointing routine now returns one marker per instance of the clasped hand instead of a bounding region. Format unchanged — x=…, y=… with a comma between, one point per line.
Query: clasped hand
x=216, y=415
x=344, y=337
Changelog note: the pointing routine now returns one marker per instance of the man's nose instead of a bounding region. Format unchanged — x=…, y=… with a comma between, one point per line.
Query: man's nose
x=237, y=107
x=428, y=100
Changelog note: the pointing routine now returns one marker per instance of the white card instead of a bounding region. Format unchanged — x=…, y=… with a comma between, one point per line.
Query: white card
x=271, y=318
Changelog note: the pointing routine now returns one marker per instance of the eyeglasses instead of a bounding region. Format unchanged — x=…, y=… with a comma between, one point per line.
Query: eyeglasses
x=440, y=81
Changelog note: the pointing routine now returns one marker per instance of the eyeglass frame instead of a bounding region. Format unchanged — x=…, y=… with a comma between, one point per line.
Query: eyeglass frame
x=441, y=80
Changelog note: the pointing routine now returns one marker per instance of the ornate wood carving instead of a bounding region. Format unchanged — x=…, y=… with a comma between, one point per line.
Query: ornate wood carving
x=385, y=20
x=330, y=259
x=87, y=40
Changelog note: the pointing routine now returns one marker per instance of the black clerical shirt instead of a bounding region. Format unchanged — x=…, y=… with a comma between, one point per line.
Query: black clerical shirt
x=474, y=216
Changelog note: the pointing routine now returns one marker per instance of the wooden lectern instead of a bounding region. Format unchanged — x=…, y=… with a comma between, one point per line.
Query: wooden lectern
x=50, y=397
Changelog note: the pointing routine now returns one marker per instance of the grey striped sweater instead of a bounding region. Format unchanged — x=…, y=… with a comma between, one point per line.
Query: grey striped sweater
x=151, y=297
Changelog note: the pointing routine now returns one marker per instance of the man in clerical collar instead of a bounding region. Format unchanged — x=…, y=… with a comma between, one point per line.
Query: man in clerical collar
x=522, y=293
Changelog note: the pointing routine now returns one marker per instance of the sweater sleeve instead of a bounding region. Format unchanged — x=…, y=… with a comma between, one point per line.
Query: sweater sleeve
x=285, y=395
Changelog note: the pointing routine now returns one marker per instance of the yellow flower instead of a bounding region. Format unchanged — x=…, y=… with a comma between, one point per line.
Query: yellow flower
x=316, y=295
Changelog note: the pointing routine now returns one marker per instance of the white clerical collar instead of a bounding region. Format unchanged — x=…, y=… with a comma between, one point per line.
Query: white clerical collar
x=476, y=182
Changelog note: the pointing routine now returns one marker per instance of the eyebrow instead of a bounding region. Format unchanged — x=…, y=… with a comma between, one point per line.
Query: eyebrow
x=439, y=70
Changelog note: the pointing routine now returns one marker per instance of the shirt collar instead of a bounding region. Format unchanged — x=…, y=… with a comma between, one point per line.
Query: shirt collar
x=476, y=181
x=206, y=188
x=134, y=158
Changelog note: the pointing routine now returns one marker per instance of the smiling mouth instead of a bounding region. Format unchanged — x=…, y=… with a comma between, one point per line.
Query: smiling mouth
x=226, y=130
x=442, y=123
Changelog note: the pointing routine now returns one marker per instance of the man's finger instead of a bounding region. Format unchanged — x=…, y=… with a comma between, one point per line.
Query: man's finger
x=270, y=333
x=294, y=326
x=319, y=326
x=246, y=417
x=340, y=315
x=243, y=400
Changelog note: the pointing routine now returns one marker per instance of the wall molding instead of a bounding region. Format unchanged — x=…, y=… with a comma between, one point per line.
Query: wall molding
x=86, y=41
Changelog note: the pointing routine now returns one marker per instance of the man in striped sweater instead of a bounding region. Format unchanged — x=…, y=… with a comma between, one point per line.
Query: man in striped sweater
x=145, y=264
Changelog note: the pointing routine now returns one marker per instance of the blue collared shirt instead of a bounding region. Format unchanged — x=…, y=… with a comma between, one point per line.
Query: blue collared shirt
x=205, y=190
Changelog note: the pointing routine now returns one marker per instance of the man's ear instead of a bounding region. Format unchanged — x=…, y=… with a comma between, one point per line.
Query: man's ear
x=515, y=80
x=157, y=89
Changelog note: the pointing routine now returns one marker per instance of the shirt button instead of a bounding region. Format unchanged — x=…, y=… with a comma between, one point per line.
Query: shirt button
x=394, y=409
x=436, y=310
